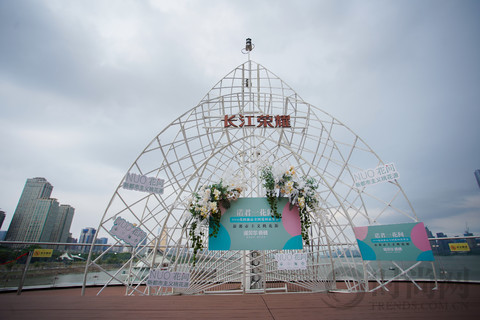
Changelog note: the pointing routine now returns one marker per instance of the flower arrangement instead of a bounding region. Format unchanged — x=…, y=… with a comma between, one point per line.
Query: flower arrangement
x=299, y=191
x=204, y=208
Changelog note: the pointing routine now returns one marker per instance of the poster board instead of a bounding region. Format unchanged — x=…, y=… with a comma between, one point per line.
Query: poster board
x=394, y=242
x=248, y=225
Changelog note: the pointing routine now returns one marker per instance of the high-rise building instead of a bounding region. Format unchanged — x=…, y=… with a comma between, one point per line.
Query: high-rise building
x=61, y=228
x=429, y=233
x=36, y=188
x=71, y=239
x=86, y=236
x=42, y=221
x=101, y=241
x=2, y=217
x=477, y=175
x=39, y=218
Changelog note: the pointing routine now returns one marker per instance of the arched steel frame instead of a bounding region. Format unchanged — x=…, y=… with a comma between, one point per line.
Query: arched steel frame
x=198, y=149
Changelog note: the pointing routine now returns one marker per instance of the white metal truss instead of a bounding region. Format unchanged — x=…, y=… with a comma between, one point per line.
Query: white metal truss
x=197, y=149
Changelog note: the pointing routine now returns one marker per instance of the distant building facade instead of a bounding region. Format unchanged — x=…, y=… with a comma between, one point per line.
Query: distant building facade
x=42, y=221
x=101, y=241
x=39, y=218
x=473, y=243
x=2, y=217
x=442, y=245
x=86, y=236
x=61, y=229
x=36, y=188
x=71, y=239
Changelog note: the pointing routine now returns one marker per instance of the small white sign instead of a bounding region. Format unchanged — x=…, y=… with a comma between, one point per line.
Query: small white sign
x=124, y=230
x=164, y=278
x=142, y=183
x=291, y=261
x=383, y=173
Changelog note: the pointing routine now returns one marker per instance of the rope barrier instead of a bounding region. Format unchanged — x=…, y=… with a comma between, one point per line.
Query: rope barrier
x=14, y=259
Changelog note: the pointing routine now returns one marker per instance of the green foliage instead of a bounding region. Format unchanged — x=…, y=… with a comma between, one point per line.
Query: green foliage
x=301, y=192
x=197, y=241
x=205, y=207
x=7, y=254
x=269, y=184
x=115, y=257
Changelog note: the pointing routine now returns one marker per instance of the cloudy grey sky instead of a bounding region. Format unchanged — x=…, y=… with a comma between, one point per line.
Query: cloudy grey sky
x=85, y=85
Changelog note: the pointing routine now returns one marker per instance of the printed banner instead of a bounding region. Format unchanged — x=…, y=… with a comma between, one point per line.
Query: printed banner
x=124, y=230
x=291, y=261
x=459, y=247
x=394, y=242
x=165, y=278
x=142, y=183
x=383, y=173
x=248, y=225
x=42, y=253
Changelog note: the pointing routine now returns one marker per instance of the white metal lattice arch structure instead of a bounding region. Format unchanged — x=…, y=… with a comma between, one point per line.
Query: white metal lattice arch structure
x=197, y=149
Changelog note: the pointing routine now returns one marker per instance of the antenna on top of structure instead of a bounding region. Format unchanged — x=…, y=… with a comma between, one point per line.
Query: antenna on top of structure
x=248, y=47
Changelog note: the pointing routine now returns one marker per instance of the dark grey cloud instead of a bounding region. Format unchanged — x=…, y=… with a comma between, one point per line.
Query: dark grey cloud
x=44, y=51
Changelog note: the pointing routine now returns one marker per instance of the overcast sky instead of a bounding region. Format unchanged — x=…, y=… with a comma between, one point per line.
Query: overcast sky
x=85, y=85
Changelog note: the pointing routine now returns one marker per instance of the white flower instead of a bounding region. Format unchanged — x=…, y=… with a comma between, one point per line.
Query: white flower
x=301, y=185
x=290, y=171
x=212, y=206
x=279, y=171
x=301, y=202
x=187, y=215
x=294, y=194
x=206, y=195
x=197, y=231
x=188, y=202
x=204, y=211
x=289, y=187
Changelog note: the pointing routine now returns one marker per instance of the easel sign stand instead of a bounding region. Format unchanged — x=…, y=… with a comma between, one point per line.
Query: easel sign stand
x=382, y=283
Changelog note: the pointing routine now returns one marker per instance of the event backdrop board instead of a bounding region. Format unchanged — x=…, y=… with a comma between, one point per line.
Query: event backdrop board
x=248, y=225
x=394, y=242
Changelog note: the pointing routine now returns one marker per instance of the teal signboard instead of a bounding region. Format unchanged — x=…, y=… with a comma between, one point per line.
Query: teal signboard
x=394, y=242
x=248, y=225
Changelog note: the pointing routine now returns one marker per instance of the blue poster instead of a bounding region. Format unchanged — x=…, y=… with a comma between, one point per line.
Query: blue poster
x=394, y=242
x=248, y=225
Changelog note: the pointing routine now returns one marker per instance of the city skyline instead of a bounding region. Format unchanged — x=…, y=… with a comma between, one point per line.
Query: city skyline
x=60, y=228
x=85, y=86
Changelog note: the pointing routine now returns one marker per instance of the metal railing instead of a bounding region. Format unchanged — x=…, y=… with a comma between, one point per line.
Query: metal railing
x=463, y=267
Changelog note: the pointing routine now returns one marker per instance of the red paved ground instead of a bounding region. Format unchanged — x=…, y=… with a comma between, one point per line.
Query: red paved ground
x=403, y=301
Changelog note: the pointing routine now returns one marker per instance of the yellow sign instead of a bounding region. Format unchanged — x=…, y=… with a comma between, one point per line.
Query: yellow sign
x=42, y=253
x=463, y=246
